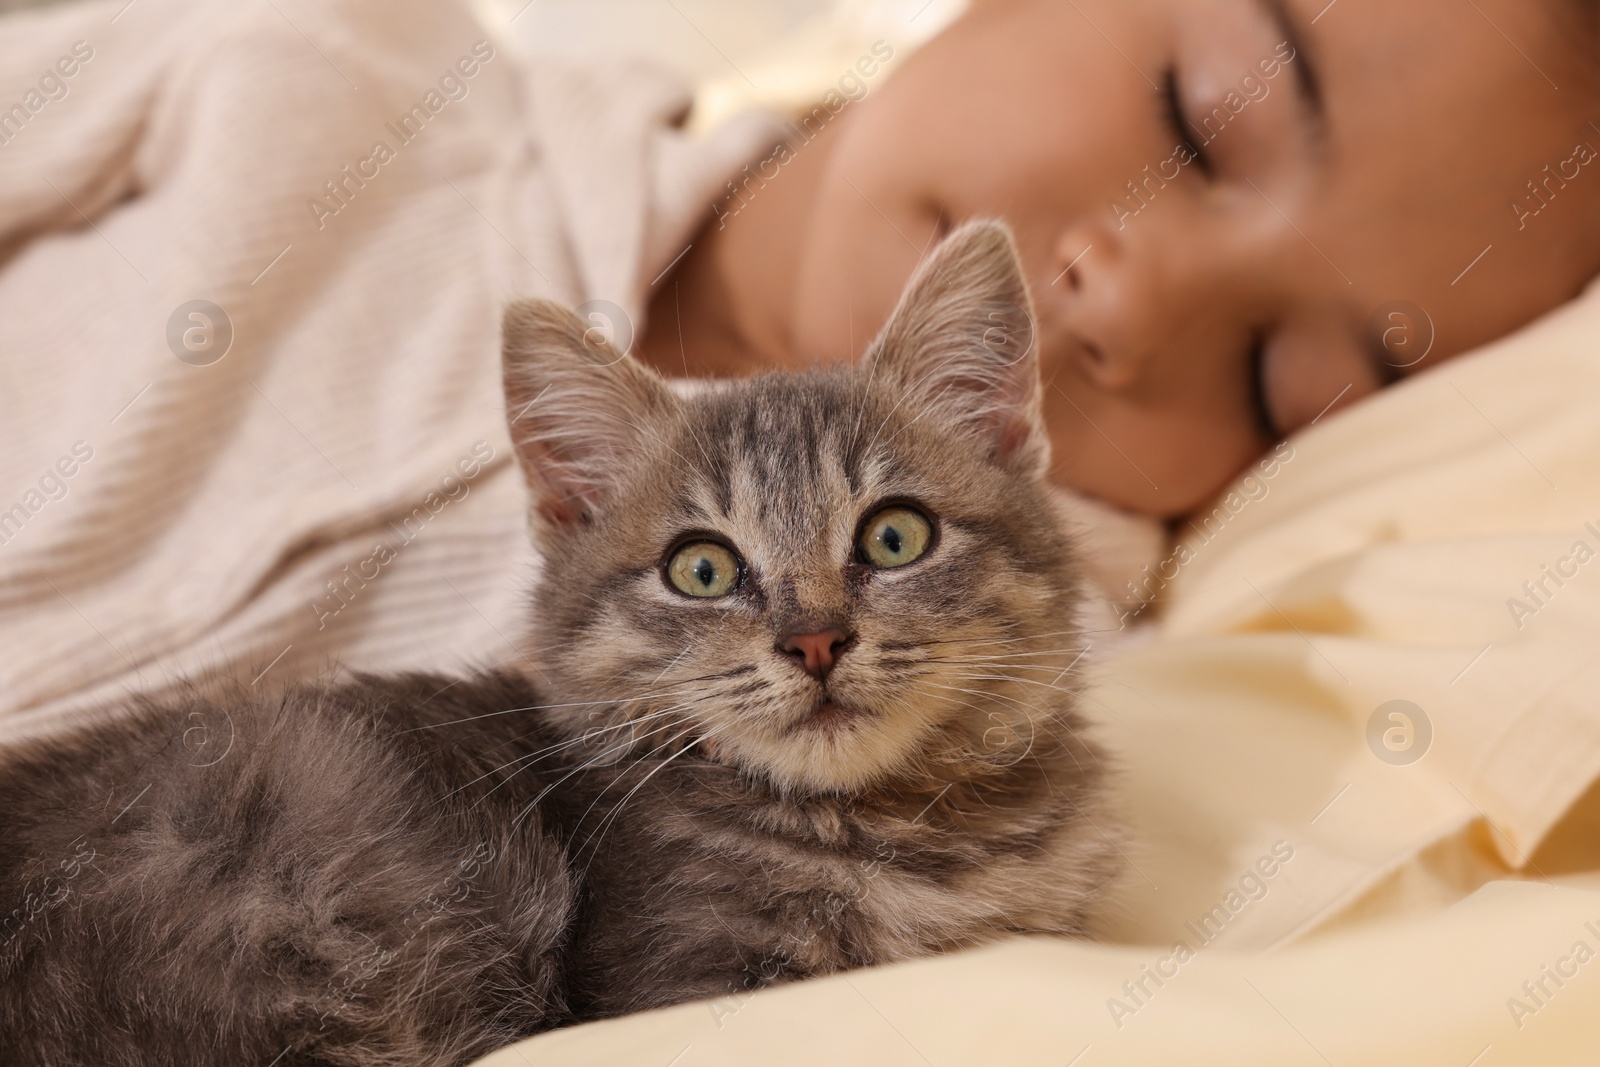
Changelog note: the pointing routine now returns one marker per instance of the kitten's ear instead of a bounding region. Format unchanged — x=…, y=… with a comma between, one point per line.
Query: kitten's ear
x=579, y=410
x=960, y=346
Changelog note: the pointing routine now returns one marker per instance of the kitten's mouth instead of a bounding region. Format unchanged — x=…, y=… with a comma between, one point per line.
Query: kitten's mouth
x=829, y=717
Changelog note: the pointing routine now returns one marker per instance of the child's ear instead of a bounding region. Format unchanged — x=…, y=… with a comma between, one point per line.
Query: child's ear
x=960, y=348
x=579, y=410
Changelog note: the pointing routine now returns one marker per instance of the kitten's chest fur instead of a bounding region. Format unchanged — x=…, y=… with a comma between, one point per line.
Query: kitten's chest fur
x=715, y=883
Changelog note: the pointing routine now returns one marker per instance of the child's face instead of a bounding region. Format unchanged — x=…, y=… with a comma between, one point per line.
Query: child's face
x=1351, y=155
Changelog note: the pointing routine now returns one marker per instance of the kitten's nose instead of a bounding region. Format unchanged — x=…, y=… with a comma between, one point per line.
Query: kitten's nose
x=816, y=652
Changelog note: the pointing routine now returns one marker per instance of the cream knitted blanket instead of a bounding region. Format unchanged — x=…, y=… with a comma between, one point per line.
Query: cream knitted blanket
x=252, y=259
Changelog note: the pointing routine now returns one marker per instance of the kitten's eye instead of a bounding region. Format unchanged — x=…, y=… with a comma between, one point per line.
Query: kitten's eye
x=894, y=537
x=703, y=568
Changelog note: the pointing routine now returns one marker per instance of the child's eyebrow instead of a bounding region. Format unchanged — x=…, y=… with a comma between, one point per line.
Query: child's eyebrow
x=1307, y=83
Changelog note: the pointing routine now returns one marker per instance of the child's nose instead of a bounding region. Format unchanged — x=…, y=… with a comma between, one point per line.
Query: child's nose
x=1119, y=300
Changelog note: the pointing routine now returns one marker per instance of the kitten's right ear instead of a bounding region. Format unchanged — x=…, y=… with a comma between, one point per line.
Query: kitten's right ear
x=960, y=350
x=578, y=409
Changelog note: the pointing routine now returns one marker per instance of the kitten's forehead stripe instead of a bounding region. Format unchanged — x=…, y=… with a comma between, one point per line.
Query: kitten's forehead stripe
x=701, y=502
x=722, y=484
x=783, y=454
x=851, y=461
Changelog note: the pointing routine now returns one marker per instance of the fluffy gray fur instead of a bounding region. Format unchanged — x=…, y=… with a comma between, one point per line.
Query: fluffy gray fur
x=419, y=869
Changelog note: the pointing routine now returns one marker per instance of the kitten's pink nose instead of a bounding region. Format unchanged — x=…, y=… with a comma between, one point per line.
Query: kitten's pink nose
x=816, y=652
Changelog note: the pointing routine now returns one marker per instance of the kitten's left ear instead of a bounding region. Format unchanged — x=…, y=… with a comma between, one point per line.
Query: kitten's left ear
x=960, y=346
x=579, y=410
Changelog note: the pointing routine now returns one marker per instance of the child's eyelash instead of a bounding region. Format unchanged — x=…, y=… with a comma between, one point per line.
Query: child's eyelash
x=1172, y=108
x=1258, y=389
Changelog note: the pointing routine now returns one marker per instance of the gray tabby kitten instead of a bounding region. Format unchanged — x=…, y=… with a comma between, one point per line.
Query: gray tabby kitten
x=802, y=706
